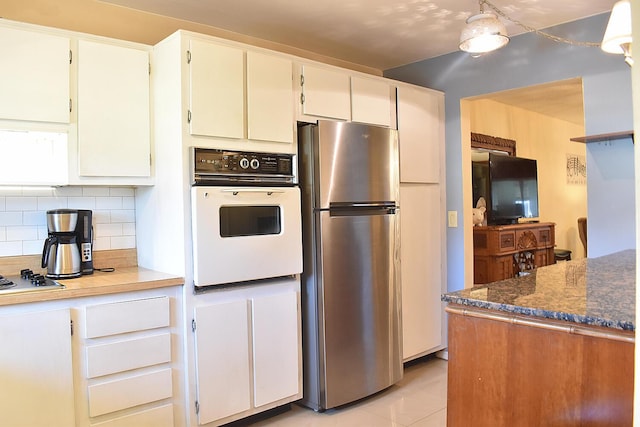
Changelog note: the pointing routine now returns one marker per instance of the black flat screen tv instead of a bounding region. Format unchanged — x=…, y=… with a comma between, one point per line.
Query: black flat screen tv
x=513, y=189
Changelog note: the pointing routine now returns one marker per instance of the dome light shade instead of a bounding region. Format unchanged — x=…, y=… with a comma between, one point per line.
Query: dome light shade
x=483, y=33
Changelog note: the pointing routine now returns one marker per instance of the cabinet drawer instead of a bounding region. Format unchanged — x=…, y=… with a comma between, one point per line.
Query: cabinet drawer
x=156, y=417
x=128, y=316
x=129, y=392
x=126, y=355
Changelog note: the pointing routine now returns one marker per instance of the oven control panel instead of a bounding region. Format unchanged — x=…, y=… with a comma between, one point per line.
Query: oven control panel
x=212, y=166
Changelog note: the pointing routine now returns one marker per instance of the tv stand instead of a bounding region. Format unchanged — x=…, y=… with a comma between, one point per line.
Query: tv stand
x=506, y=251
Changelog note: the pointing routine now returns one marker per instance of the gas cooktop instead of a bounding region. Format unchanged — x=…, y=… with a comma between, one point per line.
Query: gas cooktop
x=27, y=281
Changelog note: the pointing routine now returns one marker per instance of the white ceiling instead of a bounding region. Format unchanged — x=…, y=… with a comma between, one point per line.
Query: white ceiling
x=381, y=34
x=561, y=99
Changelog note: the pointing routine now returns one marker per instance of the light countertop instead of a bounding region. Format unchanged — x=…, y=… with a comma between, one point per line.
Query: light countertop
x=123, y=279
x=592, y=291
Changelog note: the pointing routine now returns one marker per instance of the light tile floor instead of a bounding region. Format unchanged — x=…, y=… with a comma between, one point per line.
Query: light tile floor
x=418, y=400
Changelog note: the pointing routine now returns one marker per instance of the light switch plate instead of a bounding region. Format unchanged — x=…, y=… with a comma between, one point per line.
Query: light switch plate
x=452, y=219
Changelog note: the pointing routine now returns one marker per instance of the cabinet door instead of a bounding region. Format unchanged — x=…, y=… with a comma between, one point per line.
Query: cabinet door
x=113, y=111
x=275, y=347
x=420, y=234
x=34, y=76
x=326, y=93
x=370, y=101
x=222, y=360
x=36, y=373
x=270, y=113
x=420, y=128
x=216, y=90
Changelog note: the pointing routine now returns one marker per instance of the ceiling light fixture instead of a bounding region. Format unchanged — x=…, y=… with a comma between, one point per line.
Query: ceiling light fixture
x=617, y=37
x=484, y=32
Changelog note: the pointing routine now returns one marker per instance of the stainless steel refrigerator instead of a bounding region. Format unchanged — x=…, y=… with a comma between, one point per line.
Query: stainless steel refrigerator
x=352, y=335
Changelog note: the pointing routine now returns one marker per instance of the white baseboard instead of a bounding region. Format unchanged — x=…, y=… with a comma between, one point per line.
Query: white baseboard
x=443, y=354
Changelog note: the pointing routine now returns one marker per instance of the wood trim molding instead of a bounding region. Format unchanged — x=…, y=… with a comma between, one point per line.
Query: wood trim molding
x=564, y=326
x=488, y=142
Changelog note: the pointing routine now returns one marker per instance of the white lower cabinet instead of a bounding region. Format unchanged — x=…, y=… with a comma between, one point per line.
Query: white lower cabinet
x=108, y=361
x=222, y=354
x=247, y=354
x=36, y=373
x=126, y=362
x=421, y=228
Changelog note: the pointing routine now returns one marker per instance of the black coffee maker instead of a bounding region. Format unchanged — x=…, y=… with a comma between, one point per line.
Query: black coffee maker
x=67, y=251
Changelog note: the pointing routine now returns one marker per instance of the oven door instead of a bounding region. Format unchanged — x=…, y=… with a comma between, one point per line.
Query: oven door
x=245, y=233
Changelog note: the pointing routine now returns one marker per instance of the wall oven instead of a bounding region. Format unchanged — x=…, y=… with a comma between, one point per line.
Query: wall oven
x=246, y=216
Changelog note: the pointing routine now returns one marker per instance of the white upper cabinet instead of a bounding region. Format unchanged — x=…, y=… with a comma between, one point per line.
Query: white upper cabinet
x=34, y=76
x=326, y=93
x=219, y=93
x=216, y=90
x=113, y=111
x=371, y=101
x=334, y=93
x=270, y=115
x=420, y=127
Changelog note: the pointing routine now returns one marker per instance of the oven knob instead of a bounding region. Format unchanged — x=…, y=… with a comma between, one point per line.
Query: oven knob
x=244, y=163
x=255, y=164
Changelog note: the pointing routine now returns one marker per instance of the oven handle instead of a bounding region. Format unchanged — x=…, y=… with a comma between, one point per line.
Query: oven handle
x=235, y=191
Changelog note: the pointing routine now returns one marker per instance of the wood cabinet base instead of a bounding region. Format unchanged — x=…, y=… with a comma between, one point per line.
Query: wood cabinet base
x=503, y=251
x=536, y=373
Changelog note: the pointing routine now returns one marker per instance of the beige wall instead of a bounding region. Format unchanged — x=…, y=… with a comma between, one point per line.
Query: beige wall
x=547, y=140
x=108, y=20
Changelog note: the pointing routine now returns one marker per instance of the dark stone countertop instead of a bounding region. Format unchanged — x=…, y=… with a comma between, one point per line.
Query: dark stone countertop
x=592, y=291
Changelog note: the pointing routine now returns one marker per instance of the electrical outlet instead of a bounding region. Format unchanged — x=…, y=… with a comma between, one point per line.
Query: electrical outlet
x=452, y=219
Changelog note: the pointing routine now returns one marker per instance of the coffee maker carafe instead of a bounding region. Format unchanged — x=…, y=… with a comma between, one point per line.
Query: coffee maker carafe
x=60, y=255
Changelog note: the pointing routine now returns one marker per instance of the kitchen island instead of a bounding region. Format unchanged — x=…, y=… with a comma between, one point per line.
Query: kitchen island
x=553, y=348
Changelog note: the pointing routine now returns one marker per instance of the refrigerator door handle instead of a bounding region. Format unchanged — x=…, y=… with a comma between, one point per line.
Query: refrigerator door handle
x=361, y=205
x=362, y=211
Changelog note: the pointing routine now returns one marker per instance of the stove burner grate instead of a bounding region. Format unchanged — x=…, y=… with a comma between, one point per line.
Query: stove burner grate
x=6, y=283
x=27, y=281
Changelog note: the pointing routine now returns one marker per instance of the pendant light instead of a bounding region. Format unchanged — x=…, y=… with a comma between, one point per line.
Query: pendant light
x=483, y=33
x=617, y=36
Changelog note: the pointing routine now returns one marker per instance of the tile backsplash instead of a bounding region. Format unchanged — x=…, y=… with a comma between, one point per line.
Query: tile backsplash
x=23, y=223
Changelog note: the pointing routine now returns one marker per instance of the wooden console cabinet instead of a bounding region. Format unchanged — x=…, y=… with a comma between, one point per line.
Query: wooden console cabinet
x=503, y=251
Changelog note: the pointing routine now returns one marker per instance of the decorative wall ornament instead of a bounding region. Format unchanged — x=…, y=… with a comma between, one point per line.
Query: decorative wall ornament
x=576, y=169
x=488, y=142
